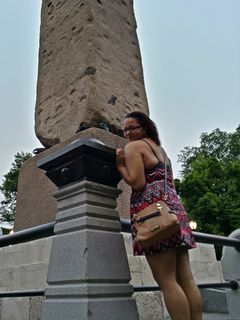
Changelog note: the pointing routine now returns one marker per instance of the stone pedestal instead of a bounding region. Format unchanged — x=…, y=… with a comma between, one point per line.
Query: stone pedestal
x=35, y=202
x=88, y=272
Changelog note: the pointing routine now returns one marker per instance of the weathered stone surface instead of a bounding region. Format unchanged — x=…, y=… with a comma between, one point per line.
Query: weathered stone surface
x=25, y=276
x=231, y=271
x=128, y=243
x=35, y=308
x=35, y=202
x=205, y=267
x=231, y=260
x=135, y=269
x=15, y=309
x=150, y=305
x=89, y=67
x=23, y=267
x=204, y=252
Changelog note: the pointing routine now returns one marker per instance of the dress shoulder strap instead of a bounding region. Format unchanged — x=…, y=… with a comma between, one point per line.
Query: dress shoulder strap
x=151, y=148
x=165, y=166
x=164, y=152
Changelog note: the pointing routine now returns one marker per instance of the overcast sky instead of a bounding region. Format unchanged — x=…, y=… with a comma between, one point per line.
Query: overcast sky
x=190, y=53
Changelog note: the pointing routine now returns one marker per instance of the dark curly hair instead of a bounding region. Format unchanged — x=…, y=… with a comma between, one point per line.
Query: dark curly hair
x=148, y=125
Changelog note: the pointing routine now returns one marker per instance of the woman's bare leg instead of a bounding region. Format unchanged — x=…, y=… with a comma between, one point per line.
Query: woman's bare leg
x=163, y=266
x=186, y=281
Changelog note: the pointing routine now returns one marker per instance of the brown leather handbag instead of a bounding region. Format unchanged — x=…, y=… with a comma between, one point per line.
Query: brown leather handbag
x=156, y=222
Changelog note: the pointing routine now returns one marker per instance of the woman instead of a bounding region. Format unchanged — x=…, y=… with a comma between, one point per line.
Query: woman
x=141, y=165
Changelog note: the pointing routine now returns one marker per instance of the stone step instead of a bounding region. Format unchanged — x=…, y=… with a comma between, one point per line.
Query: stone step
x=216, y=316
x=214, y=300
x=24, y=277
x=25, y=253
x=211, y=316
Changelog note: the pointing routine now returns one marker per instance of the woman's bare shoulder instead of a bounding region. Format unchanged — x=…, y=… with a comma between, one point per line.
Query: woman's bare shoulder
x=135, y=145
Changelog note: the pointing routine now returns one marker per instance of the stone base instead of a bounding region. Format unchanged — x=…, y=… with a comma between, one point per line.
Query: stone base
x=35, y=202
x=29, y=308
x=106, y=308
x=24, y=267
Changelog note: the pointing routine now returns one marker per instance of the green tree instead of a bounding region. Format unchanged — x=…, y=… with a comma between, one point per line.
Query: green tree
x=210, y=183
x=9, y=188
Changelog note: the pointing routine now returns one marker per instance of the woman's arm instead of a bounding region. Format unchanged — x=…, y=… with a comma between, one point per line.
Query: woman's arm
x=131, y=166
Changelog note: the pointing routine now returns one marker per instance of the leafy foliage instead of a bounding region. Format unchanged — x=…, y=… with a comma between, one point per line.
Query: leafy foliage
x=210, y=184
x=9, y=188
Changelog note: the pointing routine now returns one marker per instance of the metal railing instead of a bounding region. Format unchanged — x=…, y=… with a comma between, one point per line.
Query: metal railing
x=199, y=237
x=233, y=284
x=28, y=293
x=39, y=232
x=47, y=230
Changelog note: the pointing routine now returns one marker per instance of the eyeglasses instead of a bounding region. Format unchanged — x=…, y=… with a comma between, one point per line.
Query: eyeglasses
x=125, y=130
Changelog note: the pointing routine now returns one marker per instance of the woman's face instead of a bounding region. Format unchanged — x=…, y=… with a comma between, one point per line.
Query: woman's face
x=133, y=130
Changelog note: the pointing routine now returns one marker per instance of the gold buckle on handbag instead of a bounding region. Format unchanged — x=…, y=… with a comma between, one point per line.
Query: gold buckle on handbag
x=155, y=228
x=159, y=206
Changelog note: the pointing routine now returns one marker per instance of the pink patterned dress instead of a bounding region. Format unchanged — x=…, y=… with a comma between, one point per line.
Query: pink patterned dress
x=152, y=192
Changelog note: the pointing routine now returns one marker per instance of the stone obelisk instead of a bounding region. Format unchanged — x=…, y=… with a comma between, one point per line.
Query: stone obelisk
x=89, y=67
x=90, y=72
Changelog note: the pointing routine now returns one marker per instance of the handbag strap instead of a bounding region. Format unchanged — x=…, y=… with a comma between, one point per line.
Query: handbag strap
x=165, y=178
x=165, y=167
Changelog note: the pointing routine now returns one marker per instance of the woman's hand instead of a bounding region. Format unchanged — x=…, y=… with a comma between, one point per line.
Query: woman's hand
x=129, y=163
x=120, y=158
